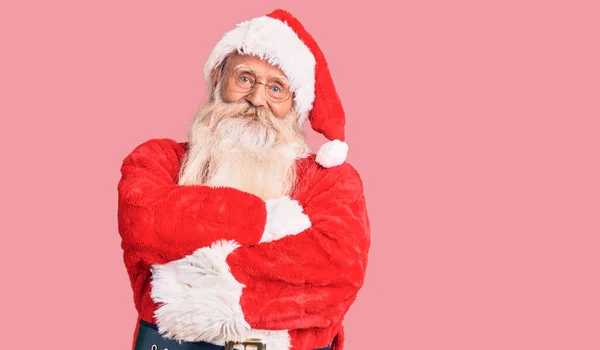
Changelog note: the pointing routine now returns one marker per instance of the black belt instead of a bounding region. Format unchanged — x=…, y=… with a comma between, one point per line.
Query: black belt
x=148, y=338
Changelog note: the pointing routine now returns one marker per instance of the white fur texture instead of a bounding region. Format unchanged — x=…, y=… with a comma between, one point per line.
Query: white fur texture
x=198, y=297
x=285, y=217
x=199, y=300
x=274, y=41
x=332, y=153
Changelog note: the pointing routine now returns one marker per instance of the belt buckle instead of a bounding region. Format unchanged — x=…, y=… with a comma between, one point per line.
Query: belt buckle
x=248, y=344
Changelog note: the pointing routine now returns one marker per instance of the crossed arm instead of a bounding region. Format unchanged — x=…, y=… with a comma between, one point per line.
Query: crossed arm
x=310, y=279
x=160, y=221
x=212, y=278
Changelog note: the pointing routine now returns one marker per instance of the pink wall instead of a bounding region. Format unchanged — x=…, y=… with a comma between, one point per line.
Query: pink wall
x=475, y=128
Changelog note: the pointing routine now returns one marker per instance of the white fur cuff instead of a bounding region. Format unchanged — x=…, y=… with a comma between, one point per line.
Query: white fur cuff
x=199, y=299
x=284, y=217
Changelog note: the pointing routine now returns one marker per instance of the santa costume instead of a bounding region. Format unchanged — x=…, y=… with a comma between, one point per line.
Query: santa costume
x=203, y=265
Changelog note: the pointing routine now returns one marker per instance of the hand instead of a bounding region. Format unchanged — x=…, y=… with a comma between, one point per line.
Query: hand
x=285, y=217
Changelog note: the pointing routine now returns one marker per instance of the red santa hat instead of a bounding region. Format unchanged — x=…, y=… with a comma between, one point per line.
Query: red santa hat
x=280, y=39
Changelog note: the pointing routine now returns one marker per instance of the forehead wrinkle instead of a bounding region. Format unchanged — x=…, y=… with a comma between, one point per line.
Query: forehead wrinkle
x=275, y=75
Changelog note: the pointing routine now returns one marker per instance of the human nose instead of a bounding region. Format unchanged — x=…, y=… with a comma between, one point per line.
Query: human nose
x=257, y=96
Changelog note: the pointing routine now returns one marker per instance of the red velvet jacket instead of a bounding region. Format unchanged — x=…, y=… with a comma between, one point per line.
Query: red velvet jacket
x=197, y=268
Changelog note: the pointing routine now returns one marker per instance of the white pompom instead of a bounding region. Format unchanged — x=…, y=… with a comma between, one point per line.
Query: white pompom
x=332, y=153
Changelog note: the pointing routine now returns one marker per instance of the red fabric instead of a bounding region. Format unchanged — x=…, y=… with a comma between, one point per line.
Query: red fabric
x=311, y=279
x=338, y=342
x=160, y=221
x=327, y=115
x=304, y=283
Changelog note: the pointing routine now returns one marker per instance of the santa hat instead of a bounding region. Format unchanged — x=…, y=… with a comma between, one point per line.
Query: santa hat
x=280, y=39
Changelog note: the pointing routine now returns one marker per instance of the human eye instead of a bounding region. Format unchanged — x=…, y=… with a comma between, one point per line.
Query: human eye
x=244, y=78
x=278, y=87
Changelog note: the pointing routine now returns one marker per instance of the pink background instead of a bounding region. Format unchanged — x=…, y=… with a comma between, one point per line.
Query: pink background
x=475, y=127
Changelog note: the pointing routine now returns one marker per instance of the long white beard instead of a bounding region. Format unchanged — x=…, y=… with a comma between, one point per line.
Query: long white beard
x=236, y=145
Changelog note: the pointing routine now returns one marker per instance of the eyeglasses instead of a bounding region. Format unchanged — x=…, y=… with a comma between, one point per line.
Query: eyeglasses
x=243, y=79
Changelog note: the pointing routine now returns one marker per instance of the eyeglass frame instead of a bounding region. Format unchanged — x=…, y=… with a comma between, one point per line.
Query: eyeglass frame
x=257, y=82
